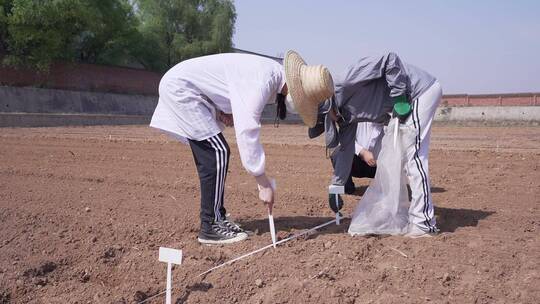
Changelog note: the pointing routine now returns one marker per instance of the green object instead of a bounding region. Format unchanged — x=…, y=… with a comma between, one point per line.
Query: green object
x=401, y=105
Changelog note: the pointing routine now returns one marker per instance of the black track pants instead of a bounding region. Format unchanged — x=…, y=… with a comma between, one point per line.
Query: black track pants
x=212, y=159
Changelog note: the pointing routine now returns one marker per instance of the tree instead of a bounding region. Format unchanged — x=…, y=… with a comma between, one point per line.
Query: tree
x=5, y=10
x=110, y=33
x=176, y=30
x=92, y=31
x=41, y=31
x=154, y=33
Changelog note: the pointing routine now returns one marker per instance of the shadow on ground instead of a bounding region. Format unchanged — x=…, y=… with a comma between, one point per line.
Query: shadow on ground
x=202, y=286
x=295, y=223
x=437, y=189
x=449, y=219
x=360, y=190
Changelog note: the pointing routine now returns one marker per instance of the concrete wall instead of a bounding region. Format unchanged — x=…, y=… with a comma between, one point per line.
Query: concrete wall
x=489, y=113
x=55, y=120
x=33, y=107
x=34, y=100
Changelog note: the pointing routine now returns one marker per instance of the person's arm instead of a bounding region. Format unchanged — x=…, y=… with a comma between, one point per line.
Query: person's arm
x=343, y=155
x=247, y=128
x=375, y=135
x=248, y=99
x=342, y=159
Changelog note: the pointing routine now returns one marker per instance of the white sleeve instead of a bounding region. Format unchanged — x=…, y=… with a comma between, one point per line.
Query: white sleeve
x=248, y=99
x=362, y=137
x=376, y=131
x=367, y=135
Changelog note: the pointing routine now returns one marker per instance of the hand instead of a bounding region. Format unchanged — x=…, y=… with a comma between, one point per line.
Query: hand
x=266, y=190
x=267, y=196
x=226, y=119
x=368, y=157
x=335, y=202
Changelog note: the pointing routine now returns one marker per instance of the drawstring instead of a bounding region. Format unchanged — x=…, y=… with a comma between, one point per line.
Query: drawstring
x=276, y=121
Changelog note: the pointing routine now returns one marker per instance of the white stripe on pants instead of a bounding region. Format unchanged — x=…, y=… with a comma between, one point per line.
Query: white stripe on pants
x=222, y=164
x=211, y=159
x=421, y=212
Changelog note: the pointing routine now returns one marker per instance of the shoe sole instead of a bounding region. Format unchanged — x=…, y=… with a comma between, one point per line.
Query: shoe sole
x=238, y=238
x=417, y=236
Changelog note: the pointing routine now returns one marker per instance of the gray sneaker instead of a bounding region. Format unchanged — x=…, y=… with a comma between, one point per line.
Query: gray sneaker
x=232, y=226
x=220, y=234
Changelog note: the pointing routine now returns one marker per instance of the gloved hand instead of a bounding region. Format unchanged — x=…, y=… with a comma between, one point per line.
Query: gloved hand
x=402, y=108
x=335, y=202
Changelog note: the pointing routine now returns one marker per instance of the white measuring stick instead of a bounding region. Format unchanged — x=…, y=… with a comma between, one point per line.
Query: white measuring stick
x=272, y=228
x=270, y=216
x=169, y=256
x=396, y=129
x=266, y=247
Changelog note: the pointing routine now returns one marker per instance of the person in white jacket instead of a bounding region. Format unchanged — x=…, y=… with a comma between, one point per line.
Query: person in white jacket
x=366, y=150
x=196, y=98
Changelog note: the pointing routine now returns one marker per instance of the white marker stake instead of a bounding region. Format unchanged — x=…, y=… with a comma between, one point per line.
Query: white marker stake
x=271, y=217
x=336, y=190
x=396, y=129
x=169, y=256
x=272, y=228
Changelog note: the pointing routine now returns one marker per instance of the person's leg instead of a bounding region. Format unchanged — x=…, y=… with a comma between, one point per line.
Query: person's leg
x=212, y=159
x=421, y=212
x=222, y=146
x=349, y=184
x=209, y=160
x=361, y=169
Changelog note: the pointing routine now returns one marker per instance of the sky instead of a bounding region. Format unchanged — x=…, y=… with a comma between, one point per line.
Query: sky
x=472, y=47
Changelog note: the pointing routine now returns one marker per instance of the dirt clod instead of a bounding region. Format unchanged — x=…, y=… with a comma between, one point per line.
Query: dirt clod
x=84, y=276
x=259, y=283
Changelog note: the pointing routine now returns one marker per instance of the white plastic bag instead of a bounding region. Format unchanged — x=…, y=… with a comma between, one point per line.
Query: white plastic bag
x=384, y=207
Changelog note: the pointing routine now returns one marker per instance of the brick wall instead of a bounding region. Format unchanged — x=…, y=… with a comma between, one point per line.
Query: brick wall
x=518, y=99
x=84, y=77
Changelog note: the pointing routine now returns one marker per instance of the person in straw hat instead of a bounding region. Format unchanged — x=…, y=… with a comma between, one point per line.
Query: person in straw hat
x=372, y=88
x=309, y=86
x=198, y=98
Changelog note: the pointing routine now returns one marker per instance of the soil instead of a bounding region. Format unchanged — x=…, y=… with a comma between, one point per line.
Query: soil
x=84, y=210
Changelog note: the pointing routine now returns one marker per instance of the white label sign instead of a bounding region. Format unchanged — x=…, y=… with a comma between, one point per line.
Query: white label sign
x=335, y=189
x=170, y=255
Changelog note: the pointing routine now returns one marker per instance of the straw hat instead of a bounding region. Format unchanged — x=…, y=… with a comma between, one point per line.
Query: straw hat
x=309, y=85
